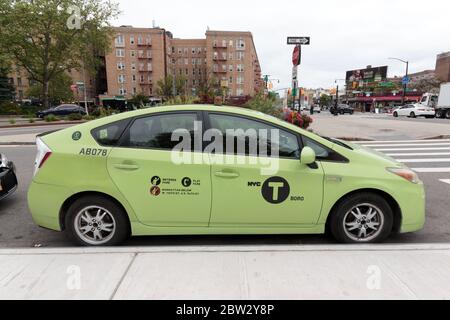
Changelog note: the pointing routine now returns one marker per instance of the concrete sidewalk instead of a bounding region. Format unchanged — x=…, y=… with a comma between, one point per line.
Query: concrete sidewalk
x=234, y=272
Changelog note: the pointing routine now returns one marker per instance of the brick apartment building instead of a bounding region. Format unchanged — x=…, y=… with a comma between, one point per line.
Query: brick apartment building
x=140, y=57
x=443, y=67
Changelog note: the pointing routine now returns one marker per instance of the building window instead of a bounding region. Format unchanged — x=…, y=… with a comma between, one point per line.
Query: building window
x=185, y=51
x=131, y=40
x=180, y=51
x=173, y=49
x=122, y=91
x=240, y=44
x=134, y=90
x=231, y=80
x=230, y=43
x=199, y=50
x=19, y=81
x=132, y=53
x=149, y=67
x=133, y=66
x=120, y=40
x=120, y=66
x=186, y=61
x=215, y=67
x=231, y=56
x=140, y=40
x=224, y=67
x=120, y=53
x=187, y=71
x=239, y=92
x=240, y=55
x=240, y=68
x=121, y=78
x=224, y=43
x=193, y=51
x=230, y=68
x=149, y=54
x=240, y=80
x=133, y=78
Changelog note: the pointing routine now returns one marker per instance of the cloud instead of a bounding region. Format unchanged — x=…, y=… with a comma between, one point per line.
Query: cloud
x=345, y=34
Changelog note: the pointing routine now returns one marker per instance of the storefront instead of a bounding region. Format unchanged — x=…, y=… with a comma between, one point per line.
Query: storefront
x=384, y=103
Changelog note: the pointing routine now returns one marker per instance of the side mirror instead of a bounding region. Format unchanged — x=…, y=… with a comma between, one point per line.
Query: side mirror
x=308, y=156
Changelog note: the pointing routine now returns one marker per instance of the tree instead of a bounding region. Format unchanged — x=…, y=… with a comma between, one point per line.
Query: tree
x=49, y=37
x=268, y=105
x=427, y=85
x=58, y=90
x=139, y=100
x=325, y=100
x=164, y=87
x=7, y=91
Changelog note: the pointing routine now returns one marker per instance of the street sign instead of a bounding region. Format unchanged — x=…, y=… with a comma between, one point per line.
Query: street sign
x=406, y=80
x=294, y=73
x=299, y=41
x=296, y=56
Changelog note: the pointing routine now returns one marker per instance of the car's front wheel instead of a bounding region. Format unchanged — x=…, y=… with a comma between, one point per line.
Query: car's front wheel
x=362, y=218
x=96, y=221
x=412, y=115
x=395, y=115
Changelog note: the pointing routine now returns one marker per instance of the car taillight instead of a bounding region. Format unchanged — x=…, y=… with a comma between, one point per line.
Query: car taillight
x=43, y=153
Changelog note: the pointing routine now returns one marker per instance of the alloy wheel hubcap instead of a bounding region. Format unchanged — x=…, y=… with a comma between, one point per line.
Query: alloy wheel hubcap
x=363, y=223
x=95, y=225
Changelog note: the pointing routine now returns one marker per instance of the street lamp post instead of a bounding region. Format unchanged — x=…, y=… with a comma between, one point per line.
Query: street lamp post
x=337, y=91
x=405, y=84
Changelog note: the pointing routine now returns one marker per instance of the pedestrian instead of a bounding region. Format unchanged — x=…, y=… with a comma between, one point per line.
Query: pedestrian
x=311, y=110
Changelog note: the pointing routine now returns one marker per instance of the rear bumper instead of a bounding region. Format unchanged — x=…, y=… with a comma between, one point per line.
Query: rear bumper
x=45, y=202
x=8, y=181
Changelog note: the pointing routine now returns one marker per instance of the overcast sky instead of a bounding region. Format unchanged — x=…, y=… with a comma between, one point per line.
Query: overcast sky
x=345, y=34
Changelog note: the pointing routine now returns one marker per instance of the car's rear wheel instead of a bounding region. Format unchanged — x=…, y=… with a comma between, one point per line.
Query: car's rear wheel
x=362, y=218
x=395, y=115
x=96, y=221
x=447, y=114
x=412, y=115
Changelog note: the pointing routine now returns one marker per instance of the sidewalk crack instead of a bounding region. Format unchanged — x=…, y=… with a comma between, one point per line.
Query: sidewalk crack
x=123, y=276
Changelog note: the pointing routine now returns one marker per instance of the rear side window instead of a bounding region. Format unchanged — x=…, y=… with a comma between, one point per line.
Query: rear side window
x=110, y=134
x=155, y=132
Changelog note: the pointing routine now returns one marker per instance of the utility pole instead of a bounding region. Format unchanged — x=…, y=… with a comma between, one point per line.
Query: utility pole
x=85, y=94
x=405, y=79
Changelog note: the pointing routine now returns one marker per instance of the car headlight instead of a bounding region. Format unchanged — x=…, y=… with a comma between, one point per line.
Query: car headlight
x=405, y=173
x=3, y=161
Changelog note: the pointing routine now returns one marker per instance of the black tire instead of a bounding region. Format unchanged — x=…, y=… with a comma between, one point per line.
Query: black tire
x=120, y=218
x=342, y=211
x=447, y=114
x=395, y=115
x=412, y=115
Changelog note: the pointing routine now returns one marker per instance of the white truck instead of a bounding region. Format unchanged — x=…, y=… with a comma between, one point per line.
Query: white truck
x=440, y=102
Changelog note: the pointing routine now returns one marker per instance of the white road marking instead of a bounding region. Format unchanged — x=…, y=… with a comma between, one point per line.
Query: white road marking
x=409, y=145
x=431, y=170
x=429, y=160
x=401, y=141
x=413, y=149
x=447, y=181
x=418, y=154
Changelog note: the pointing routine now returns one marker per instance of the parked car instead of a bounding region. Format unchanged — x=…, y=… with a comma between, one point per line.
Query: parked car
x=345, y=108
x=415, y=110
x=61, y=110
x=8, y=179
x=317, y=109
x=110, y=178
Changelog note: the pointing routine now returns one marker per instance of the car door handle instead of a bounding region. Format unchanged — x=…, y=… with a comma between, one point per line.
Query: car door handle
x=126, y=166
x=227, y=174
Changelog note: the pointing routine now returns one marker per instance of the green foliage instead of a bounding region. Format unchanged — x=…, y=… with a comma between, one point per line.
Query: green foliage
x=7, y=91
x=89, y=118
x=59, y=90
x=74, y=117
x=10, y=108
x=139, y=100
x=31, y=120
x=47, y=38
x=164, y=87
x=268, y=105
x=12, y=121
x=179, y=100
x=51, y=118
x=325, y=100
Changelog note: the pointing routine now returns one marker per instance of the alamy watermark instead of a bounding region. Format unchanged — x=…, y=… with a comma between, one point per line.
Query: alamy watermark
x=235, y=147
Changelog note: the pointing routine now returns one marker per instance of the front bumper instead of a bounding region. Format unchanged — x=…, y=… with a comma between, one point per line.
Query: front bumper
x=8, y=180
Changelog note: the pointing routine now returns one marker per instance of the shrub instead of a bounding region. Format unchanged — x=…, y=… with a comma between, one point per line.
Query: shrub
x=51, y=118
x=75, y=117
x=12, y=121
x=10, y=108
x=89, y=118
x=296, y=118
x=31, y=120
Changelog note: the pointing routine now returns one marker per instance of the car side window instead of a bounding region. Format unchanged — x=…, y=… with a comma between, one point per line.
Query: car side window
x=322, y=152
x=252, y=134
x=110, y=134
x=155, y=132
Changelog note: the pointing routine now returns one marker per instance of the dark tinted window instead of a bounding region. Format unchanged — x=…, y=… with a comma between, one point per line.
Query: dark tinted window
x=155, y=132
x=110, y=134
x=239, y=129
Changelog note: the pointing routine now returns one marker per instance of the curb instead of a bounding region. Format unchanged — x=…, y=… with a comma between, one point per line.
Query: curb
x=28, y=125
x=230, y=248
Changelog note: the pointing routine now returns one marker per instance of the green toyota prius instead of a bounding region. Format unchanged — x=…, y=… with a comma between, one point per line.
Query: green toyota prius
x=204, y=170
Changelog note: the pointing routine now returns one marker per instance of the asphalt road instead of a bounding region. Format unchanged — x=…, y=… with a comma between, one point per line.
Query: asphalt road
x=18, y=230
